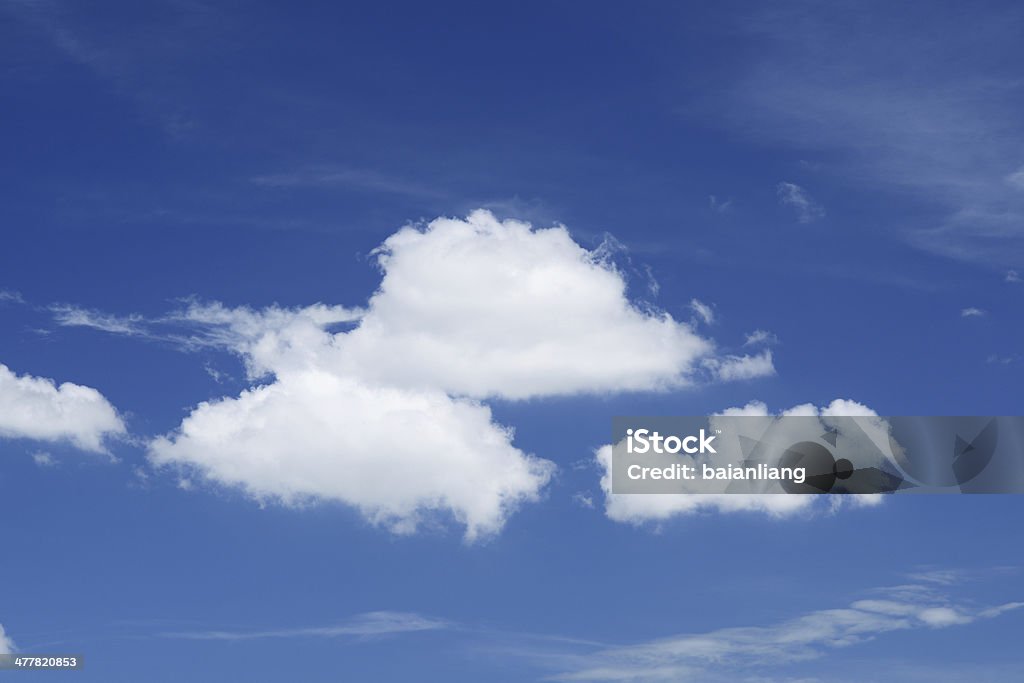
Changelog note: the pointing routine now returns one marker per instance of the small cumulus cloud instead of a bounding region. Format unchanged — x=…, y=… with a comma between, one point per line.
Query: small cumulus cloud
x=972, y=313
x=1012, y=276
x=584, y=499
x=39, y=409
x=44, y=459
x=731, y=368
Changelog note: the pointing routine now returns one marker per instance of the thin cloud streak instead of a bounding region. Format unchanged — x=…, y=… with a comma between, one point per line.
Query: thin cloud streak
x=913, y=106
x=365, y=625
x=333, y=177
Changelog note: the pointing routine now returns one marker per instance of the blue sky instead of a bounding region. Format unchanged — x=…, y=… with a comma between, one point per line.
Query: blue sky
x=827, y=203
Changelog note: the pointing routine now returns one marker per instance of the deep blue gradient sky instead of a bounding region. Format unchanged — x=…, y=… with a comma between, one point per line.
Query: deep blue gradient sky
x=257, y=155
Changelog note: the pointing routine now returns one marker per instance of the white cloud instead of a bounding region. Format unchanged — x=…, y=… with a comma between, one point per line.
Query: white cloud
x=44, y=459
x=36, y=408
x=383, y=413
x=639, y=509
x=67, y=315
x=792, y=195
x=394, y=454
x=484, y=308
x=937, y=130
x=703, y=311
x=940, y=617
x=726, y=654
x=731, y=368
x=942, y=577
x=371, y=624
x=1012, y=276
x=207, y=326
x=477, y=307
x=972, y=313
x=6, y=644
x=583, y=499
x=10, y=296
x=758, y=337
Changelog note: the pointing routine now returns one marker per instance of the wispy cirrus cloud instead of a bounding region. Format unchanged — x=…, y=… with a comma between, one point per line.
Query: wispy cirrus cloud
x=703, y=311
x=789, y=648
x=346, y=177
x=67, y=315
x=902, y=101
x=792, y=195
x=11, y=296
x=759, y=337
x=142, y=64
x=719, y=206
x=195, y=325
x=368, y=625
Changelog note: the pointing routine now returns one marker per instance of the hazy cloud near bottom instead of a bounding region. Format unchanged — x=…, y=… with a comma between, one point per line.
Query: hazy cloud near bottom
x=792, y=647
x=800, y=646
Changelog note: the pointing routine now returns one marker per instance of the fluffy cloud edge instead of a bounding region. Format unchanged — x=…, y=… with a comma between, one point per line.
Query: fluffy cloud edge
x=38, y=409
x=401, y=458
x=467, y=310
